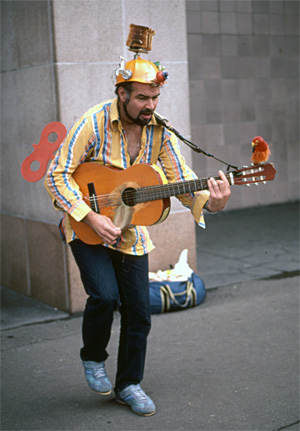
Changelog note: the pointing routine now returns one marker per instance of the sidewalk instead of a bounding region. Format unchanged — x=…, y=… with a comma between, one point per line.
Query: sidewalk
x=230, y=364
x=19, y=310
x=248, y=244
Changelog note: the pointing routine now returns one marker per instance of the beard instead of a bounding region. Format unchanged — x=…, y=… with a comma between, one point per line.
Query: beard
x=138, y=120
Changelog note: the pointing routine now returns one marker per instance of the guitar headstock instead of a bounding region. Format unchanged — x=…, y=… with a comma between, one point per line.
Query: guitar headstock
x=254, y=174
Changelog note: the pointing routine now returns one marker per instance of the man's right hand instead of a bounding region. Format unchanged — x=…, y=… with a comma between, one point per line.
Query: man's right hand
x=103, y=226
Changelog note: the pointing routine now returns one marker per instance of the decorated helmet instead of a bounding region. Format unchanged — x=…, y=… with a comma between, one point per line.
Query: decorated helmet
x=139, y=70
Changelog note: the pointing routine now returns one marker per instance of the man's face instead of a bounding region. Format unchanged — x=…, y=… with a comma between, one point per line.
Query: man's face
x=141, y=104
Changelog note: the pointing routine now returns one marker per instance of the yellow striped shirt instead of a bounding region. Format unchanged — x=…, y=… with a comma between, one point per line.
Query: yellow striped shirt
x=99, y=136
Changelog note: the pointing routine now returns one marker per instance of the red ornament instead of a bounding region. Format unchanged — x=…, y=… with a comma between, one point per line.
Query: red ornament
x=43, y=152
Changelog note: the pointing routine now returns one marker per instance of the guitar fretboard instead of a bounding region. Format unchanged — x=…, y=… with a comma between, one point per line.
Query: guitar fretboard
x=152, y=193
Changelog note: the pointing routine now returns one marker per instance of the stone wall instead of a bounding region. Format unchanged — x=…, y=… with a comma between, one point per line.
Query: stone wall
x=31, y=254
x=244, y=82
x=57, y=60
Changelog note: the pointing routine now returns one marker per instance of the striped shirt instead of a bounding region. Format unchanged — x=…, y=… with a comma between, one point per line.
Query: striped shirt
x=99, y=136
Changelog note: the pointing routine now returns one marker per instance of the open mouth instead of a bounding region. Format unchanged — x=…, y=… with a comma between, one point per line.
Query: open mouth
x=146, y=114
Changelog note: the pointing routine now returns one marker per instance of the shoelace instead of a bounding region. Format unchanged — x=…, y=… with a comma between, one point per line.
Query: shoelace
x=99, y=372
x=141, y=394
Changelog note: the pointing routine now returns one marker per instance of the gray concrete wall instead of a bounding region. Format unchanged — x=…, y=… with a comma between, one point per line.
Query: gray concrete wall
x=244, y=82
x=31, y=254
x=57, y=60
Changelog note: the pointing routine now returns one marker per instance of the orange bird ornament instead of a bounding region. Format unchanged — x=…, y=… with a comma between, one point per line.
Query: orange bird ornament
x=260, y=150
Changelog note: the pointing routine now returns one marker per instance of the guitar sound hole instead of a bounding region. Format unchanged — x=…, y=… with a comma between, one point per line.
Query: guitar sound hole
x=128, y=197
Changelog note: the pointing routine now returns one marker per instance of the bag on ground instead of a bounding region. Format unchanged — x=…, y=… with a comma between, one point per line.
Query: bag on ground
x=176, y=289
x=176, y=295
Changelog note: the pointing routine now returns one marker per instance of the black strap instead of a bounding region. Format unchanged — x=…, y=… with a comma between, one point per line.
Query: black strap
x=164, y=122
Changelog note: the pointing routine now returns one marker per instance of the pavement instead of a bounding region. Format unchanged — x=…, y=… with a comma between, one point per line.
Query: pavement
x=231, y=363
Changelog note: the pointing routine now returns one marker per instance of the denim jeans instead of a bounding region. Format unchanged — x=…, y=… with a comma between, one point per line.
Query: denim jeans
x=110, y=277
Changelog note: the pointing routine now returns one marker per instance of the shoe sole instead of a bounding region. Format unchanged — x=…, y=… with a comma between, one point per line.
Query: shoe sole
x=100, y=393
x=138, y=413
x=103, y=393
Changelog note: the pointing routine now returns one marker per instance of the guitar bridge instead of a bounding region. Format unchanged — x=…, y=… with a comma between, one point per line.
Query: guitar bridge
x=93, y=197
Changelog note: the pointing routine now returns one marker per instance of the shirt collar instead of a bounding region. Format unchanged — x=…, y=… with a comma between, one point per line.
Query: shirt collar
x=114, y=114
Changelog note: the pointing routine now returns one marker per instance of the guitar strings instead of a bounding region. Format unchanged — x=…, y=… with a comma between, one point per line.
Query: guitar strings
x=105, y=200
x=149, y=193
x=155, y=192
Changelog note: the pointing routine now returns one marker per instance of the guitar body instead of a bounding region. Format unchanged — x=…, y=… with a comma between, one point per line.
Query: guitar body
x=104, y=190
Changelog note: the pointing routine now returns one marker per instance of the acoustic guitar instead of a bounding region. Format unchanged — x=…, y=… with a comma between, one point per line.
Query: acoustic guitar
x=140, y=195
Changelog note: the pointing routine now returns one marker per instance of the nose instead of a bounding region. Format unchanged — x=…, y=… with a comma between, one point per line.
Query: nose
x=151, y=105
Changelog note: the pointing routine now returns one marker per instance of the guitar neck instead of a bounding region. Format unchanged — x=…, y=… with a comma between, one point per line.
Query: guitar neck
x=152, y=193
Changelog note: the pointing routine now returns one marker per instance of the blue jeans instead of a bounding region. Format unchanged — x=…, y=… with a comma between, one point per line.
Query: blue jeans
x=110, y=277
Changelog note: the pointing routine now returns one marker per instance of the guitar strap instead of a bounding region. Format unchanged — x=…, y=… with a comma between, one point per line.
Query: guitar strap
x=61, y=230
x=164, y=122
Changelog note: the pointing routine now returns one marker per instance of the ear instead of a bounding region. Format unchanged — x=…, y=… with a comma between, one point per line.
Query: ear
x=122, y=94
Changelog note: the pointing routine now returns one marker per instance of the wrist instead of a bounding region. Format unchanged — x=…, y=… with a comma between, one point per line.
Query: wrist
x=88, y=219
x=206, y=207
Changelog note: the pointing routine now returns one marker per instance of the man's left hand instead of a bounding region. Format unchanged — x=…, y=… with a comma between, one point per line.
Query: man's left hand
x=219, y=193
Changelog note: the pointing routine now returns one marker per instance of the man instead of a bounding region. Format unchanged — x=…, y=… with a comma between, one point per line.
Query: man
x=120, y=133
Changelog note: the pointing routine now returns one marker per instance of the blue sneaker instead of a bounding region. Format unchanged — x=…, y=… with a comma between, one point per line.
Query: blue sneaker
x=136, y=398
x=96, y=377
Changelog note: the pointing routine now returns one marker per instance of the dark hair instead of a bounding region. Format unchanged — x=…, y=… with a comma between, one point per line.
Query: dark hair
x=127, y=87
